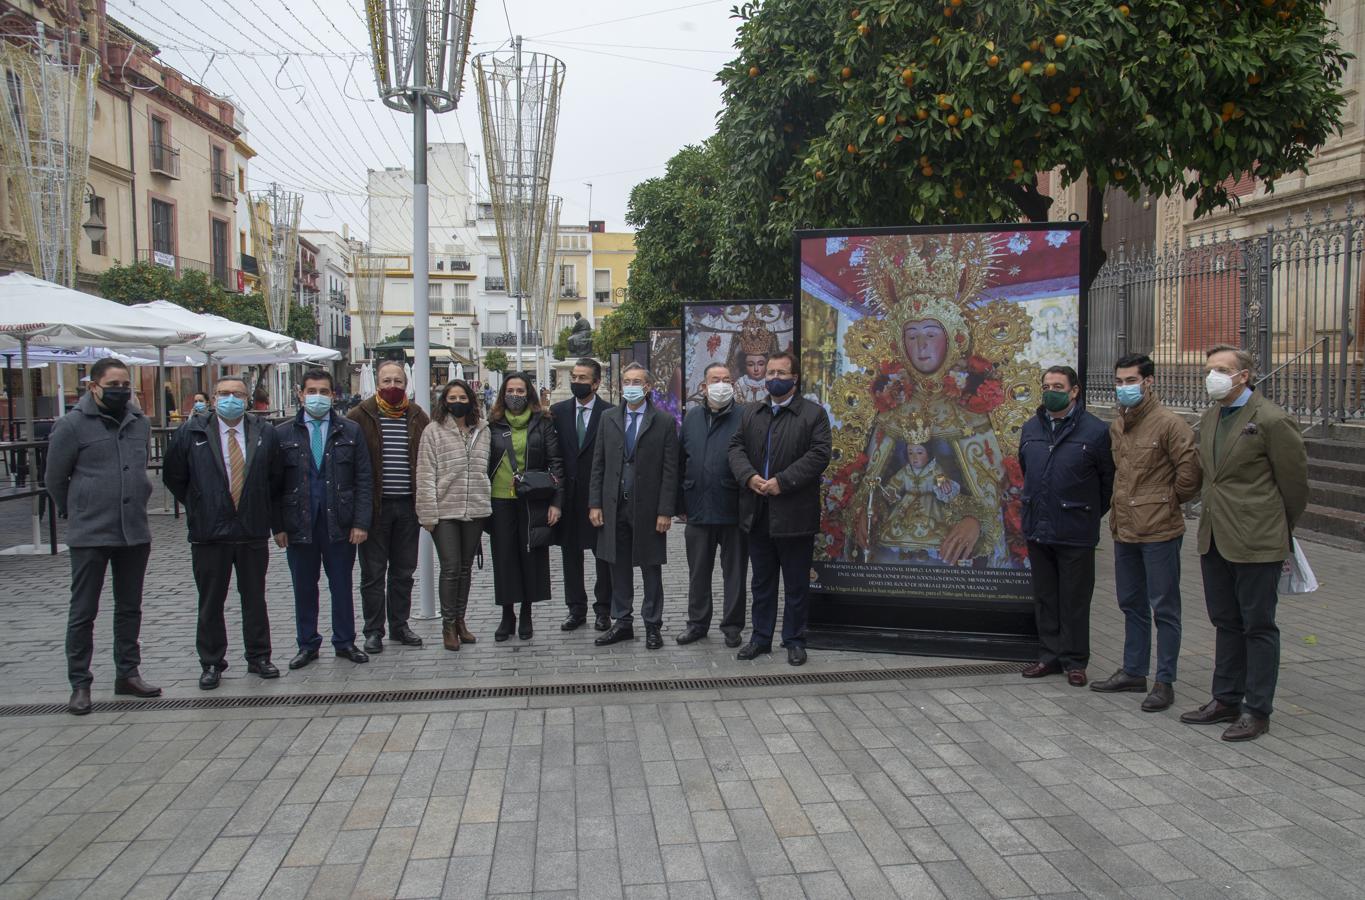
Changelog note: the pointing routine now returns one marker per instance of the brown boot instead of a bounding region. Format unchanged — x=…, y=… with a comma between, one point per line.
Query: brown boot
x=450, y=635
x=465, y=634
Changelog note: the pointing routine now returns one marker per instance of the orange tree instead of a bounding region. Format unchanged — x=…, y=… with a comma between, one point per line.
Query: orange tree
x=889, y=112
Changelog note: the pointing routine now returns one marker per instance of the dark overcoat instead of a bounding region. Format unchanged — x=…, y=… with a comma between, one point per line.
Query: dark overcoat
x=574, y=528
x=656, y=483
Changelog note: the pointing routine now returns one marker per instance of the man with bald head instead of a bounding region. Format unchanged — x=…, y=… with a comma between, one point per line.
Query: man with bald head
x=393, y=428
x=226, y=468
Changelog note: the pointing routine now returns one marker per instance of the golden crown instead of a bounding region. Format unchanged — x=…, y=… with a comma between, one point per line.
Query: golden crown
x=919, y=433
x=939, y=278
x=755, y=337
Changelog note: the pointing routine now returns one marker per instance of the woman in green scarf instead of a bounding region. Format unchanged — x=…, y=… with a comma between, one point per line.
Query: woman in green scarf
x=521, y=530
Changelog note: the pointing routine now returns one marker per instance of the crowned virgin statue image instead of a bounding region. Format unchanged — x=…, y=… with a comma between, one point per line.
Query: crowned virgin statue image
x=749, y=358
x=926, y=425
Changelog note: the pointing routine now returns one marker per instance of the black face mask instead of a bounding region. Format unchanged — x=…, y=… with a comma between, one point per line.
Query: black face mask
x=458, y=408
x=580, y=390
x=115, y=400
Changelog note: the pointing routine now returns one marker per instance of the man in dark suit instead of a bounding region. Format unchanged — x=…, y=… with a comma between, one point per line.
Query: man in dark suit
x=631, y=500
x=778, y=453
x=226, y=469
x=1255, y=489
x=328, y=499
x=577, y=420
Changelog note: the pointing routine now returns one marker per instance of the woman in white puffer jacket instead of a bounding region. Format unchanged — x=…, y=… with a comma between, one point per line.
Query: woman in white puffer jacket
x=454, y=498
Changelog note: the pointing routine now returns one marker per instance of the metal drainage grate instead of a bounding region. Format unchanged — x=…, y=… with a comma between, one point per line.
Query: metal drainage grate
x=530, y=690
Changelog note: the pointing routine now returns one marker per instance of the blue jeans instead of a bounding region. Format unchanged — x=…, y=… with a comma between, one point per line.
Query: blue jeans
x=306, y=563
x=1147, y=577
x=791, y=558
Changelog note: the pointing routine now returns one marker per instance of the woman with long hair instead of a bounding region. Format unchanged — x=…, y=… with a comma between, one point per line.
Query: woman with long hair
x=523, y=440
x=454, y=499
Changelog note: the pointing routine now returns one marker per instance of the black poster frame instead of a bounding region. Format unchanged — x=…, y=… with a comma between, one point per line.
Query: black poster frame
x=934, y=626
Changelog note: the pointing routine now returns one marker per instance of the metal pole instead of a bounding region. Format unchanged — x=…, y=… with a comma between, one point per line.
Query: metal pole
x=32, y=453
x=521, y=214
x=591, y=275
x=421, y=320
x=161, y=384
x=1338, y=412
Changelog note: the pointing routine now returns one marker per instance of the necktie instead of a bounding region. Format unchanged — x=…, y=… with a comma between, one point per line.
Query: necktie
x=236, y=467
x=630, y=434
x=582, y=423
x=317, y=443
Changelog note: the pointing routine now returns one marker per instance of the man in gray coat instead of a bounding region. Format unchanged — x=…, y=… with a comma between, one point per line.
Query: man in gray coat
x=631, y=501
x=97, y=476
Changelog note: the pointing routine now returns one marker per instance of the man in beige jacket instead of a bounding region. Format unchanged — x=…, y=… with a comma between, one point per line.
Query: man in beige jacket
x=1156, y=471
x=1255, y=489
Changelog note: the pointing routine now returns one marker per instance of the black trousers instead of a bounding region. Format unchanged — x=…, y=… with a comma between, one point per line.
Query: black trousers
x=88, y=565
x=1241, y=599
x=387, y=560
x=213, y=568
x=790, y=559
x=575, y=593
x=1063, y=582
x=457, y=543
x=701, y=542
x=623, y=576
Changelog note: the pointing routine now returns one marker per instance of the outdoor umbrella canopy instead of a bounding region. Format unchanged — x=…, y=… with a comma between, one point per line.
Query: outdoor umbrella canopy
x=220, y=334
x=367, y=381
x=303, y=352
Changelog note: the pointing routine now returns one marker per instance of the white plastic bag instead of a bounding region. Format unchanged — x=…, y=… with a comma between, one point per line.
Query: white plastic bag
x=1297, y=575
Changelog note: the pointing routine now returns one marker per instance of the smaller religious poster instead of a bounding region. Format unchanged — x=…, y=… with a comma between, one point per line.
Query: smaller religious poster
x=665, y=364
x=739, y=334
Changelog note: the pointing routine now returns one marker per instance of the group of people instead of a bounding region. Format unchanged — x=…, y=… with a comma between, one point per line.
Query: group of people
x=1248, y=464
x=610, y=480
x=585, y=474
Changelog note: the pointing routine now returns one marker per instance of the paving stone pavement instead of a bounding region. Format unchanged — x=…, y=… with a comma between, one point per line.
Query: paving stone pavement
x=982, y=786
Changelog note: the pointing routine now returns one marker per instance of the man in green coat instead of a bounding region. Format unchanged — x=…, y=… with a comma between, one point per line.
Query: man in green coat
x=1255, y=489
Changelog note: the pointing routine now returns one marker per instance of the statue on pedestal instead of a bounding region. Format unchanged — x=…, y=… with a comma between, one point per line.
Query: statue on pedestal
x=580, y=338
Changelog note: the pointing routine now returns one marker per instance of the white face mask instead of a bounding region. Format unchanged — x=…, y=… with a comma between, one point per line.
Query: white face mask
x=720, y=393
x=1218, y=385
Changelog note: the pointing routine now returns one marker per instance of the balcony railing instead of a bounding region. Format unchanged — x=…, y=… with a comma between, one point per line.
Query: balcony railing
x=224, y=187
x=569, y=293
x=225, y=275
x=509, y=338
x=165, y=160
x=601, y=296
x=494, y=284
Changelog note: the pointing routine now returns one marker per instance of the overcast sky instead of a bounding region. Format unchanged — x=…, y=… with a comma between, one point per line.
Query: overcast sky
x=639, y=86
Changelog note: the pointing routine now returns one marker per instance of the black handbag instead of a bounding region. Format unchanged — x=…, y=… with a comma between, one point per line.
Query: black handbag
x=534, y=484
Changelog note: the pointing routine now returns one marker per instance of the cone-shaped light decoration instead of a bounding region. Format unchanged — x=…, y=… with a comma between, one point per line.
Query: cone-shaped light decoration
x=275, y=240
x=441, y=27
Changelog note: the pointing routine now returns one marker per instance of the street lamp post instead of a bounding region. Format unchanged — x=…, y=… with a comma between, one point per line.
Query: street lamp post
x=419, y=49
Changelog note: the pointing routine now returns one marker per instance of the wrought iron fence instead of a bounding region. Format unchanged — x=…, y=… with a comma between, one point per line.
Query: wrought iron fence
x=1291, y=296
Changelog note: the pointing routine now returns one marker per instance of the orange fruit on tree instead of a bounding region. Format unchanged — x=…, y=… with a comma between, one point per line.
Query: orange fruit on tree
x=1119, y=174
x=943, y=101
x=819, y=174
x=753, y=71
x=1254, y=78
x=926, y=170
x=908, y=76
x=1034, y=45
x=921, y=114
x=864, y=29
x=992, y=60
x=1018, y=164
x=1026, y=66
x=881, y=120
x=1124, y=10
x=1054, y=108
x=812, y=78
x=1229, y=108
x=852, y=148
x=1016, y=98
x=845, y=73
x=898, y=138
x=954, y=2
x=967, y=112
x=1050, y=69
x=959, y=193
x=1059, y=41
x=952, y=120
x=924, y=160
x=948, y=11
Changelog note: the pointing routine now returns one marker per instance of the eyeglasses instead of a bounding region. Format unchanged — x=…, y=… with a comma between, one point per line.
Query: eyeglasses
x=240, y=395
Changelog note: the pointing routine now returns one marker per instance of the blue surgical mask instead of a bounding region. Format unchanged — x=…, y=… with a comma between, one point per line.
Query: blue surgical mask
x=230, y=408
x=633, y=393
x=318, y=405
x=780, y=387
x=1129, y=394
x=200, y=406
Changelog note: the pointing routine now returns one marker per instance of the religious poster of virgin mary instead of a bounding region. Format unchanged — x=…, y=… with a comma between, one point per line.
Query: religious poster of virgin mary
x=665, y=364
x=928, y=347
x=741, y=335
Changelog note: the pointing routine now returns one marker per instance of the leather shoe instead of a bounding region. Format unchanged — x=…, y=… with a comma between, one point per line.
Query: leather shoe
x=751, y=650
x=653, y=640
x=209, y=679
x=796, y=655
x=134, y=686
x=374, y=644
x=1075, y=677
x=1038, y=670
x=621, y=631
x=691, y=634
x=264, y=668
x=1119, y=682
x=602, y=623
x=1248, y=727
x=1161, y=697
x=79, y=704
x=732, y=639
x=1211, y=713
x=406, y=636
x=353, y=653
x=304, y=658
x=573, y=622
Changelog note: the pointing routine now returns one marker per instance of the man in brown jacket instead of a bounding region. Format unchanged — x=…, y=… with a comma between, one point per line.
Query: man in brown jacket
x=393, y=429
x=1156, y=470
x=1255, y=489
